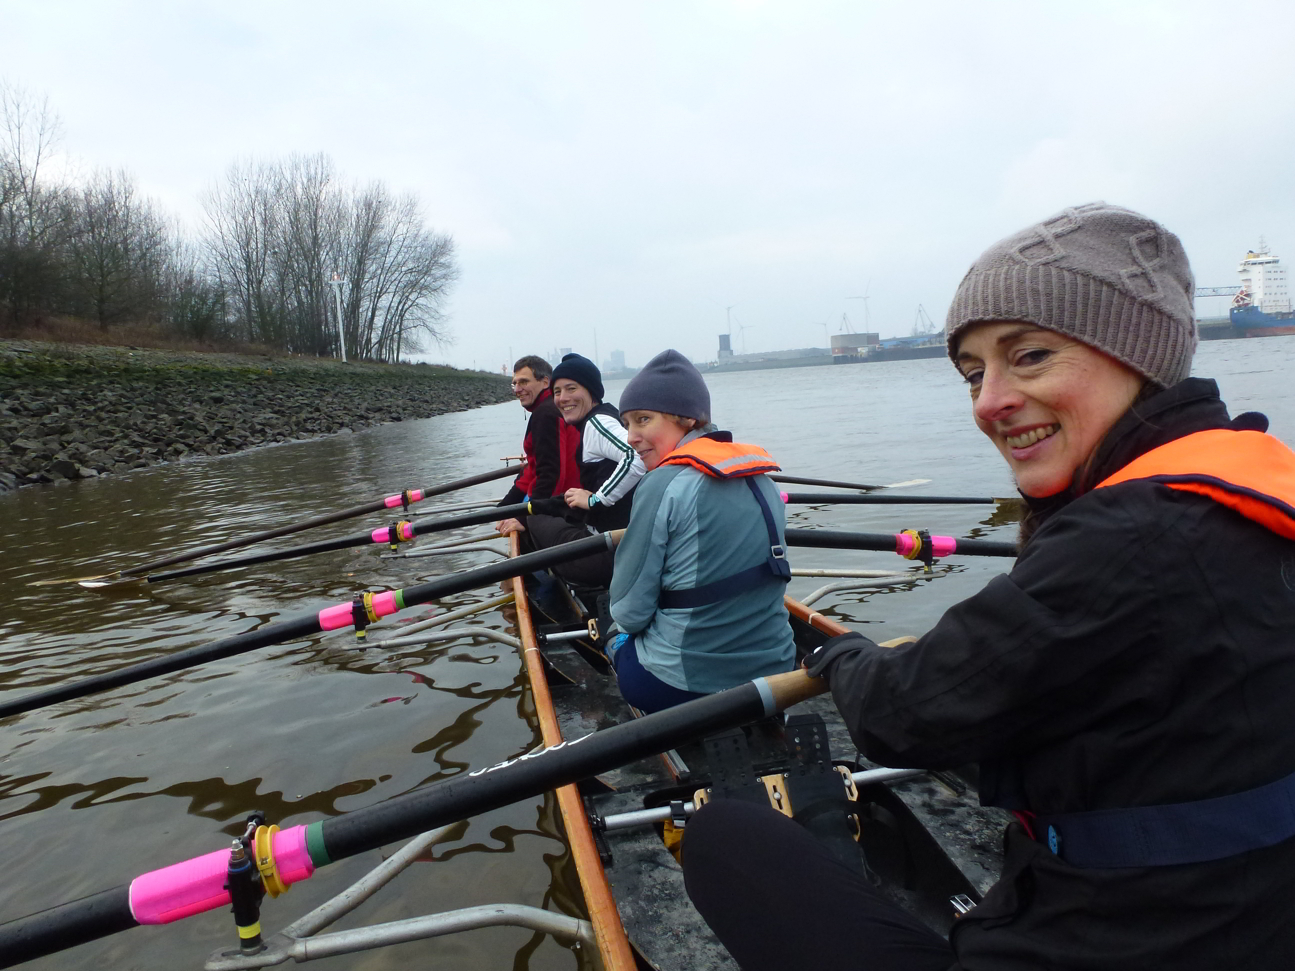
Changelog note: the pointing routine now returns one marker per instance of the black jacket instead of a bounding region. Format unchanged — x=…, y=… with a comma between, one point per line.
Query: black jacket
x=1140, y=652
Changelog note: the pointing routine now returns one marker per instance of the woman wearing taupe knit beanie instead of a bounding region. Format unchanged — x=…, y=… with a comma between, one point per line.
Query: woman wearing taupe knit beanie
x=1128, y=690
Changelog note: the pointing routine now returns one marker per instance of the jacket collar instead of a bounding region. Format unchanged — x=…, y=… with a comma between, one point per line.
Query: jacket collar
x=539, y=399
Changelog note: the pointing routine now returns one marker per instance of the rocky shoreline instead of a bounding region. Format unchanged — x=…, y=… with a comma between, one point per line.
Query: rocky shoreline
x=81, y=411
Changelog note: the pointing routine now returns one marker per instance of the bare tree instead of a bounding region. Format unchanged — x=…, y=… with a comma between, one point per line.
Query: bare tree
x=242, y=235
x=117, y=251
x=193, y=297
x=277, y=231
x=33, y=216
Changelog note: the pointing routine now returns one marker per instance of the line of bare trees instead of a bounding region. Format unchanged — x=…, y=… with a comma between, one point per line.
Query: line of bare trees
x=276, y=233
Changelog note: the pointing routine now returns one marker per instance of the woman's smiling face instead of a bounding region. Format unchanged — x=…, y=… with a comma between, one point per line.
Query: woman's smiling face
x=1045, y=401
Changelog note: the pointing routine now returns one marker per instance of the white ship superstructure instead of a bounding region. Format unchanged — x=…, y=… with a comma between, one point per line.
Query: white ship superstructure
x=1263, y=283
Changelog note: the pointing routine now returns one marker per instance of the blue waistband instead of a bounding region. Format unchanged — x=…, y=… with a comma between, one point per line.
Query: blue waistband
x=1177, y=833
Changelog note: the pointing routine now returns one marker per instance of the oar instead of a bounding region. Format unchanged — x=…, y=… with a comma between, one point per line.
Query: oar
x=358, y=613
x=198, y=884
x=911, y=544
x=848, y=499
x=833, y=484
x=402, y=500
x=399, y=533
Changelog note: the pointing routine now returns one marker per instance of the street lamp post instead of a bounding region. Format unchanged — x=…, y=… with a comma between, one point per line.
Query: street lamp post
x=336, y=282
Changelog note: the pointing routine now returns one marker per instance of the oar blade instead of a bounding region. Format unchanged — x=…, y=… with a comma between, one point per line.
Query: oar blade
x=83, y=581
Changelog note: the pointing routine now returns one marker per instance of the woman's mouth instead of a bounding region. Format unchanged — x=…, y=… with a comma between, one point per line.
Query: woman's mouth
x=1026, y=439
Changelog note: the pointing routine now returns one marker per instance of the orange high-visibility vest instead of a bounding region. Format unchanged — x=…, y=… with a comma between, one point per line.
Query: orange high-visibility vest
x=1250, y=472
x=723, y=460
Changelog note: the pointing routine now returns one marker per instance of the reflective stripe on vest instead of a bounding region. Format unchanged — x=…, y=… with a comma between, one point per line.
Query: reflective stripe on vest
x=1254, y=474
x=730, y=460
x=723, y=460
x=1250, y=472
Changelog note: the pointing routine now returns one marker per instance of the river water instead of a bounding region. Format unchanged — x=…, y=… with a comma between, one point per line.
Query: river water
x=96, y=791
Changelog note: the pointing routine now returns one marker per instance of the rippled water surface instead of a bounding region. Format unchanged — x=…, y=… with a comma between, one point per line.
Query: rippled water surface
x=96, y=791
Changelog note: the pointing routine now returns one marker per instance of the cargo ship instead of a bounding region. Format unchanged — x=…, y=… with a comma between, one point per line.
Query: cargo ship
x=1262, y=305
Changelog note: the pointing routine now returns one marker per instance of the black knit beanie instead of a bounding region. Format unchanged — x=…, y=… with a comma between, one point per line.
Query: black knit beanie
x=668, y=383
x=1106, y=276
x=583, y=372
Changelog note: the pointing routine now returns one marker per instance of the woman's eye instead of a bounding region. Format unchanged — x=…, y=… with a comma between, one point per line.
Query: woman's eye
x=1034, y=356
x=973, y=376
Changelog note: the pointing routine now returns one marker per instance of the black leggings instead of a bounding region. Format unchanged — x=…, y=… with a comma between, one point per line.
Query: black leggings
x=778, y=899
x=590, y=571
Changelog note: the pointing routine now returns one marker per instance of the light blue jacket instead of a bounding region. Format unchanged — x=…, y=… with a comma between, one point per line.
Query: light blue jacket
x=688, y=529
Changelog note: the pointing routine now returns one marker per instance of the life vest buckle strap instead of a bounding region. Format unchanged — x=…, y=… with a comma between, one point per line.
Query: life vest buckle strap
x=1175, y=833
x=775, y=566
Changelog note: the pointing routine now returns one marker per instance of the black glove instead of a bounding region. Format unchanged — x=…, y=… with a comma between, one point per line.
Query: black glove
x=552, y=506
x=819, y=662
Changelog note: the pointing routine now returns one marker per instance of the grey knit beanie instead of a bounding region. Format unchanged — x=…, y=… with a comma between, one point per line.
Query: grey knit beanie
x=668, y=383
x=1103, y=275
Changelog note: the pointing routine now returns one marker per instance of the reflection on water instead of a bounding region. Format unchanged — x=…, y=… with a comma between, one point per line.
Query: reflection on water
x=95, y=791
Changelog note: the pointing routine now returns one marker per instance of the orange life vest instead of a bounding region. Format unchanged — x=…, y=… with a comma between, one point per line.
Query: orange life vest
x=723, y=460
x=1250, y=472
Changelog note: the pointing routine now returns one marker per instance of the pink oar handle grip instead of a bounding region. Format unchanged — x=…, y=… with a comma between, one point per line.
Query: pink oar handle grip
x=940, y=545
x=383, y=535
x=415, y=495
x=197, y=885
x=339, y=615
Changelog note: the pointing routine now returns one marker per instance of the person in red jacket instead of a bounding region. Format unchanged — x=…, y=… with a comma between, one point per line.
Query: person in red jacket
x=550, y=444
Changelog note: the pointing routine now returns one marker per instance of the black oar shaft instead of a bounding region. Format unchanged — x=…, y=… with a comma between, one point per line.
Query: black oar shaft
x=833, y=539
x=324, y=519
x=285, y=630
x=454, y=799
x=474, y=793
x=882, y=499
x=65, y=926
x=344, y=542
x=304, y=625
x=826, y=483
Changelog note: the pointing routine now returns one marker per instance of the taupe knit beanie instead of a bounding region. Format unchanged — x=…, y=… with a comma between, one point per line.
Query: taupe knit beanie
x=1103, y=275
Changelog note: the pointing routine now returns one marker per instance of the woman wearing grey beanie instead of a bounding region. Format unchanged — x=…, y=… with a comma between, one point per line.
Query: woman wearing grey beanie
x=1127, y=690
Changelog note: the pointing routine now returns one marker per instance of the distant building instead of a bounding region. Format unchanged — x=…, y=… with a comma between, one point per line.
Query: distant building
x=615, y=361
x=766, y=360
x=847, y=348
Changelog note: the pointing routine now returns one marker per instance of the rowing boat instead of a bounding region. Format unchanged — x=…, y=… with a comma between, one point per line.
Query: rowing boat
x=922, y=834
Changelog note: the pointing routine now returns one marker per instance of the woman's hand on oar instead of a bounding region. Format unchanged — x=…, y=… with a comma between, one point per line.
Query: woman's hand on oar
x=358, y=613
x=200, y=884
x=403, y=500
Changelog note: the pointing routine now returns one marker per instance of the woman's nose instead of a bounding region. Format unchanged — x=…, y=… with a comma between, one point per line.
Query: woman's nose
x=997, y=396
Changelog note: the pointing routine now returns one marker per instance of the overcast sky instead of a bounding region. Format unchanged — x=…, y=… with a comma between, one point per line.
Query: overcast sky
x=631, y=170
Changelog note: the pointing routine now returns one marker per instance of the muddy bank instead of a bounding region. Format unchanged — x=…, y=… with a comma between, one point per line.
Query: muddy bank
x=77, y=411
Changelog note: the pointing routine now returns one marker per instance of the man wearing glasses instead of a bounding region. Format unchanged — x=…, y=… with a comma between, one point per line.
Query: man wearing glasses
x=550, y=444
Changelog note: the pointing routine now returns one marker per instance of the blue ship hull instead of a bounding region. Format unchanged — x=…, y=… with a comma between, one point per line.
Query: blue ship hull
x=1252, y=318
